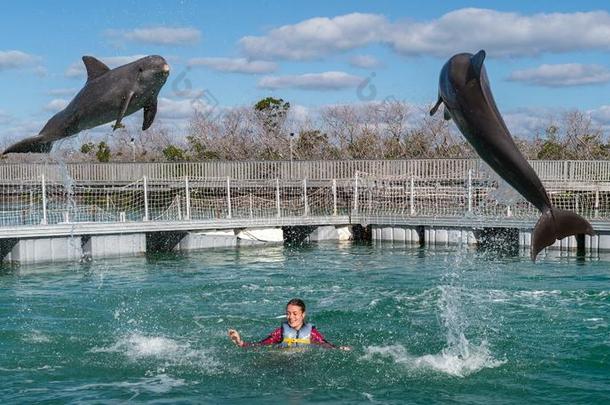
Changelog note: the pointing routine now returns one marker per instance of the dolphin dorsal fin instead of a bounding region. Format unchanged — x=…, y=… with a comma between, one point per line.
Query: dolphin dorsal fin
x=476, y=61
x=95, y=67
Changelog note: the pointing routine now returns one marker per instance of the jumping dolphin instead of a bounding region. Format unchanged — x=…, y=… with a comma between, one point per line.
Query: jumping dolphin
x=464, y=90
x=107, y=95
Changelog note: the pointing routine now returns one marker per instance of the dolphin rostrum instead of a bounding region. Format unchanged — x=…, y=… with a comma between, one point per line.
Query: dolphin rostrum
x=108, y=95
x=464, y=90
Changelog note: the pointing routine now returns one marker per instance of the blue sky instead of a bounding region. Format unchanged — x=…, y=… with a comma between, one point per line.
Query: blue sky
x=544, y=57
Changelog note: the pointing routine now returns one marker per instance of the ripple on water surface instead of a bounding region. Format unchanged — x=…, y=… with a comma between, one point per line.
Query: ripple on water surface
x=439, y=324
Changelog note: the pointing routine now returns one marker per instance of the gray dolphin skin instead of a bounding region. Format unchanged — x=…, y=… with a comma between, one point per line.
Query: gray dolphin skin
x=108, y=95
x=464, y=90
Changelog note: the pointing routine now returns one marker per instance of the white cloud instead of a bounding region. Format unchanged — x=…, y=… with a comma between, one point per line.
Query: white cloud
x=299, y=113
x=601, y=117
x=181, y=109
x=235, y=65
x=16, y=60
x=56, y=105
x=502, y=34
x=189, y=93
x=364, y=61
x=77, y=69
x=40, y=71
x=570, y=74
x=316, y=37
x=19, y=129
x=527, y=122
x=157, y=35
x=311, y=81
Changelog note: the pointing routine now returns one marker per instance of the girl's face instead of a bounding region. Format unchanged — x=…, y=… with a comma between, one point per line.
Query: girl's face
x=295, y=316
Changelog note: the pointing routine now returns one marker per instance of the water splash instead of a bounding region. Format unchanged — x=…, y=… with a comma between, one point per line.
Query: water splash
x=473, y=359
x=504, y=194
x=137, y=347
x=460, y=357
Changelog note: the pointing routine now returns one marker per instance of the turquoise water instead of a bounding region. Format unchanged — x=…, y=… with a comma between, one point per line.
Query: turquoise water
x=443, y=325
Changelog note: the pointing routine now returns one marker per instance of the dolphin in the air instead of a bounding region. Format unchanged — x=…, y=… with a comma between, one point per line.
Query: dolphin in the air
x=108, y=95
x=464, y=90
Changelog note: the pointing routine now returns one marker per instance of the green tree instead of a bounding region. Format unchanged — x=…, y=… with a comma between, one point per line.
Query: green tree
x=103, y=152
x=199, y=150
x=174, y=154
x=87, y=147
x=314, y=144
x=271, y=114
x=551, y=148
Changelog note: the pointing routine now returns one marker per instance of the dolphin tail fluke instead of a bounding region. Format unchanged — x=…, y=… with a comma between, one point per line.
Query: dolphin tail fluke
x=557, y=224
x=34, y=144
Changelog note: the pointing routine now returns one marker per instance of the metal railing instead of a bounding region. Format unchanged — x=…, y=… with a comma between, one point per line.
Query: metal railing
x=43, y=201
x=548, y=170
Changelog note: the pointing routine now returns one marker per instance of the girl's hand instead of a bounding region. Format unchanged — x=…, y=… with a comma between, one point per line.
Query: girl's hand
x=234, y=336
x=345, y=348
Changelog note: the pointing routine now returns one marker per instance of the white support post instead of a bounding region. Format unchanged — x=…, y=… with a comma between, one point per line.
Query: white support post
x=228, y=197
x=335, y=197
x=145, y=181
x=277, y=198
x=179, y=201
x=576, y=203
x=509, y=212
x=44, y=202
x=469, y=190
x=596, y=201
x=412, y=197
x=187, y=198
x=305, y=203
x=251, y=207
x=356, y=194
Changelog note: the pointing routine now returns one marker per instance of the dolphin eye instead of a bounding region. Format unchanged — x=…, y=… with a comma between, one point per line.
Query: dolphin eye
x=140, y=69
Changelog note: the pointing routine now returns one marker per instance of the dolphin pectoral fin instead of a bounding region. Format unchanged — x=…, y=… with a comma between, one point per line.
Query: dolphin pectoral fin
x=95, y=67
x=436, y=106
x=557, y=224
x=446, y=114
x=476, y=62
x=149, y=115
x=122, y=112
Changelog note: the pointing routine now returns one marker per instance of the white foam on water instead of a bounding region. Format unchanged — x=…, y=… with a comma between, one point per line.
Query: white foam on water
x=596, y=323
x=36, y=337
x=449, y=361
x=46, y=367
x=369, y=397
x=159, y=384
x=460, y=357
x=537, y=293
x=374, y=302
x=140, y=347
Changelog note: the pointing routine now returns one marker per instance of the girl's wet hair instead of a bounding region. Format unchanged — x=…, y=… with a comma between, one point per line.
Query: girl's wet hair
x=298, y=302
